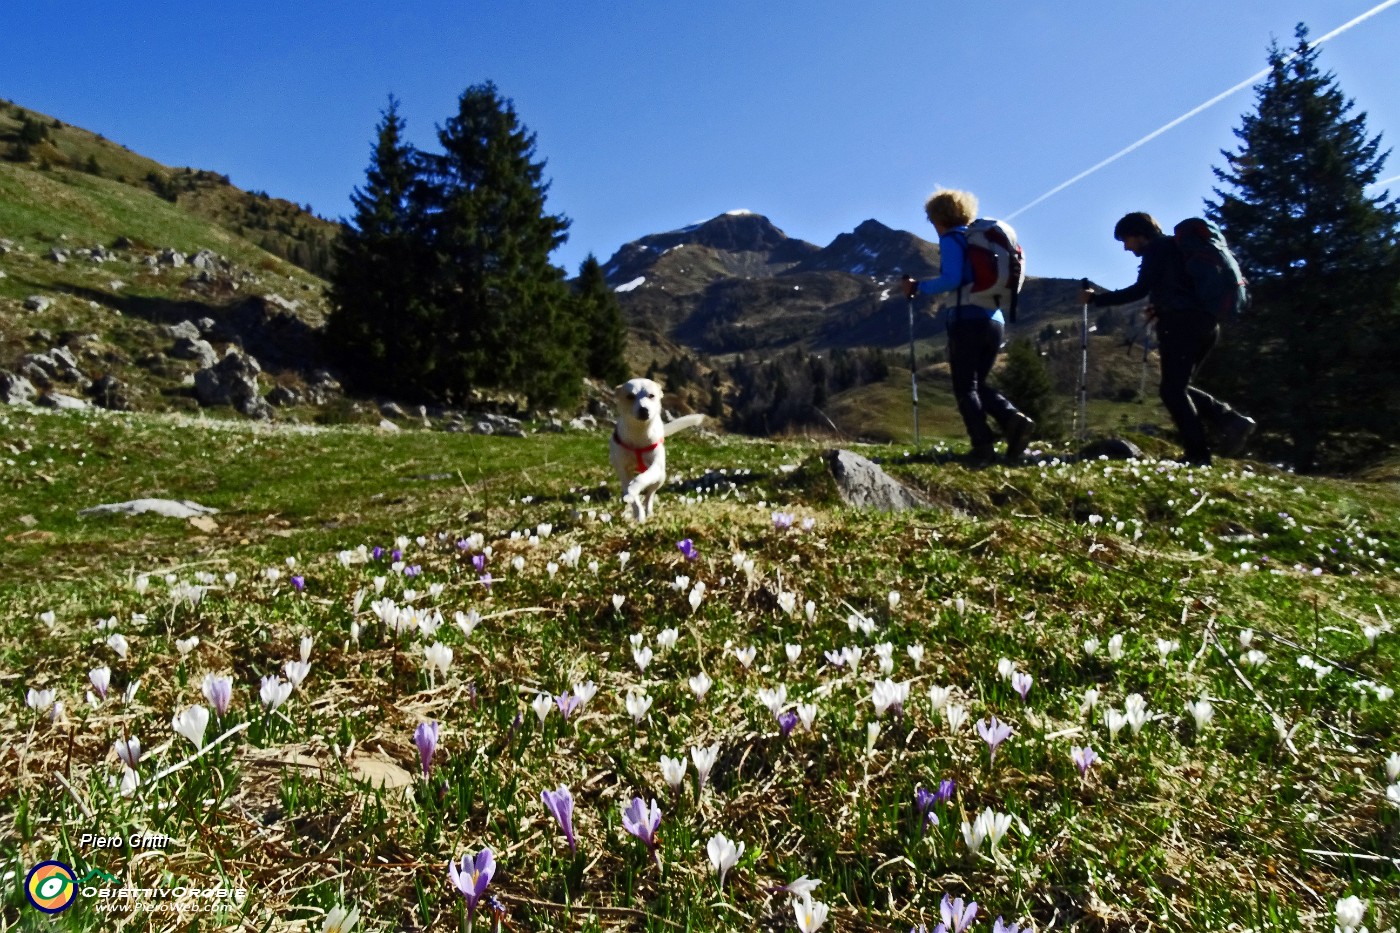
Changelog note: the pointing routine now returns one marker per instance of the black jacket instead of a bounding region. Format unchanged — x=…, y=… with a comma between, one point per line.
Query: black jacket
x=1161, y=277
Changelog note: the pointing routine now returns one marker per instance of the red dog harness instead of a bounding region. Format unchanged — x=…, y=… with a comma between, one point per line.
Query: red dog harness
x=638, y=451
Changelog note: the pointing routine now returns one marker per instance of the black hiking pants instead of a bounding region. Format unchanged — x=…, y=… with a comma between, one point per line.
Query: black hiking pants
x=1184, y=339
x=974, y=340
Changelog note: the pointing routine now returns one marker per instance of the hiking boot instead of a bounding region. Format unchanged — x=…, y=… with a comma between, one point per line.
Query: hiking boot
x=1018, y=432
x=1234, y=434
x=982, y=454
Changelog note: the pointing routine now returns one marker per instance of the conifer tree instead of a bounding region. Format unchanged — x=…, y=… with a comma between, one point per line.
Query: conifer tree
x=600, y=319
x=1314, y=354
x=381, y=325
x=504, y=308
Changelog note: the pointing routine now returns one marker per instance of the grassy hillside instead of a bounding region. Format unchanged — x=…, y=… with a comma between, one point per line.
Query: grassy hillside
x=1122, y=591
x=276, y=225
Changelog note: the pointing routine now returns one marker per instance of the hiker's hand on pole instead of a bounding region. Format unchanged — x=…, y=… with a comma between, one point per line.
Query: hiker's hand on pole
x=1086, y=295
x=910, y=287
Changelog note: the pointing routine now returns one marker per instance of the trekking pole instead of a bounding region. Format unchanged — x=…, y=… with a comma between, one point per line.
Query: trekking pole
x=913, y=372
x=1083, y=431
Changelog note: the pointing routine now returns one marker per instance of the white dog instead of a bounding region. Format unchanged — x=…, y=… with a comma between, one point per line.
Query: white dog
x=638, y=450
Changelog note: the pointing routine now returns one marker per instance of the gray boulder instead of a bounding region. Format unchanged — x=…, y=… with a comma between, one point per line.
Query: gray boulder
x=186, y=330
x=109, y=392
x=58, y=255
x=15, y=389
x=284, y=397
x=233, y=380
x=170, y=508
x=197, y=349
x=171, y=257
x=1113, y=448
x=863, y=485
x=38, y=303
x=392, y=410
x=61, y=402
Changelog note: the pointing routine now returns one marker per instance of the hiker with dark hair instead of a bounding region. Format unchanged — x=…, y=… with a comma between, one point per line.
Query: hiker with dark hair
x=1186, y=333
x=974, y=332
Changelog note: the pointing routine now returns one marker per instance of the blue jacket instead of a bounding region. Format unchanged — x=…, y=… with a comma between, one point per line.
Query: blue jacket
x=953, y=269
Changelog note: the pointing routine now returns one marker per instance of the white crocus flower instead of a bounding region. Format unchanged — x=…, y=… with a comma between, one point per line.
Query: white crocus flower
x=185, y=645
x=745, y=656
x=191, y=724
x=1091, y=699
x=872, y=733
x=1350, y=912
x=807, y=715
x=1246, y=637
x=585, y=692
x=637, y=705
x=724, y=854
x=437, y=656
x=1091, y=646
x=39, y=700
x=774, y=699
x=118, y=643
x=129, y=751
x=810, y=914
x=956, y=715
x=1165, y=646
x=340, y=920
x=673, y=772
x=274, y=692
x=642, y=656
x=1006, y=667
x=296, y=672
x=1115, y=648
x=700, y=685
x=618, y=600
x=666, y=639
x=697, y=593
x=1201, y=711
x=542, y=704
x=1115, y=721
x=916, y=654
x=307, y=643
x=793, y=653
x=938, y=696
x=704, y=759
x=1392, y=767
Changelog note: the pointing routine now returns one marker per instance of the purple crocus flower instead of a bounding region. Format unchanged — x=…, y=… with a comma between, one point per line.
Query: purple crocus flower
x=787, y=719
x=1021, y=683
x=463, y=544
x=561, y=803
x=642, y=822
x=473, y=877
x=924, y=800
x=993, y=732
x=219, y=692
x=957, y=916
x=298, y=583
x=945, y=791
x=486, y=580
x=479, y=562
x=1001, y=926
x=426, y=738
x=1083, y=758
x=567, y=703
x=413, y=570
x=396, y=555
x=377, y=553
x=687, y=547
x=782, y=521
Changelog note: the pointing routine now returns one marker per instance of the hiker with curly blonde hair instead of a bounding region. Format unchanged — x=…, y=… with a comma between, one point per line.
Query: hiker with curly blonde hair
x=975, y=333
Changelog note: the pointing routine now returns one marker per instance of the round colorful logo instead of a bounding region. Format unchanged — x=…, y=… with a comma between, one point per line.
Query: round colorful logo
x=51, y=887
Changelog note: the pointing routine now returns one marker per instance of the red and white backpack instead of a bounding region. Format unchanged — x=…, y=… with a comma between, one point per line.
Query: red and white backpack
x=995, y=266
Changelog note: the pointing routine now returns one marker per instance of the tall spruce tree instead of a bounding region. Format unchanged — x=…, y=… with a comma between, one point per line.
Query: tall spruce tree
x=380, y=326
x=505, y=318
x=600, y=318
x=1313, y=358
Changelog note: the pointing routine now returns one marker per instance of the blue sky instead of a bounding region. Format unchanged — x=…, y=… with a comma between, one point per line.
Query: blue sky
x=818, y=114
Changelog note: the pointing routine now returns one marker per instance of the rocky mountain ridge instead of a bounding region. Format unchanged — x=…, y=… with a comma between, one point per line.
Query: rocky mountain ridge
x=738, y=283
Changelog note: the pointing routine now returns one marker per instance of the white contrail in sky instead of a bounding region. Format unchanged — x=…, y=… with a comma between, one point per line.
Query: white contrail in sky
x=1195, y=110
x=1385, y=181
